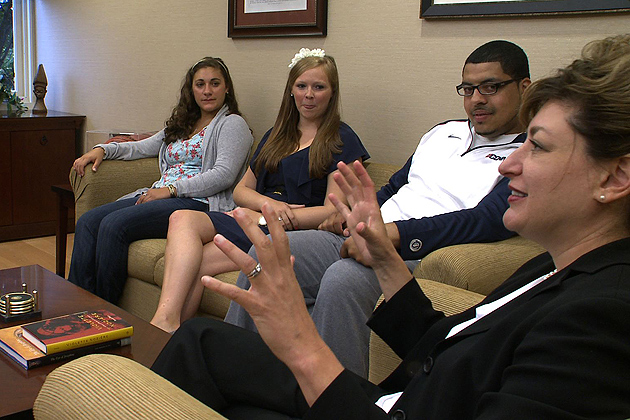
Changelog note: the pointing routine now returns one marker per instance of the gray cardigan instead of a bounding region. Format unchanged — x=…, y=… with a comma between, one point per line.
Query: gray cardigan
x=227, y=143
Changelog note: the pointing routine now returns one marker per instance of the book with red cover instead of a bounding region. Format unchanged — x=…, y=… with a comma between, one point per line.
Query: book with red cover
x=28, y=356
x=76, y=330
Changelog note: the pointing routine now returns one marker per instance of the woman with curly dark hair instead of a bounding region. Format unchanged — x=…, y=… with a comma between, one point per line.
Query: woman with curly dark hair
x=202, y=155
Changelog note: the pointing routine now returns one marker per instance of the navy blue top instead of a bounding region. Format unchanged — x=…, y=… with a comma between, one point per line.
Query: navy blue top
x=291, y=183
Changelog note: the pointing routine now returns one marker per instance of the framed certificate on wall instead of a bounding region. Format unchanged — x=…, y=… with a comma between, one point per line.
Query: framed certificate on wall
x=265, y=18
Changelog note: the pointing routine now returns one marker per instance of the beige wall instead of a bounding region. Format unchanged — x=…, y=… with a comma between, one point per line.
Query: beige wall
x=121, y=62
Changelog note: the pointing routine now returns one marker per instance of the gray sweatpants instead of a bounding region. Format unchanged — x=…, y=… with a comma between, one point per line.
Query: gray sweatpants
x=340, y=295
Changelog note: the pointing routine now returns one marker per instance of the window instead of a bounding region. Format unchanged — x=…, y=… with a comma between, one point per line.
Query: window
x=6, y=39
x=16, y=44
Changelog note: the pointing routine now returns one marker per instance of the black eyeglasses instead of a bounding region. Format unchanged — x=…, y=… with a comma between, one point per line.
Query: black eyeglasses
x=484, y=88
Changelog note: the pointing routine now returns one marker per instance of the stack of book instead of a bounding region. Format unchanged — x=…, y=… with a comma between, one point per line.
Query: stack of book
x=65, y=337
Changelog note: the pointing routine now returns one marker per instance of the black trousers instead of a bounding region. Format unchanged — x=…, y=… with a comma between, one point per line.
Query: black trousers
x=231, y=370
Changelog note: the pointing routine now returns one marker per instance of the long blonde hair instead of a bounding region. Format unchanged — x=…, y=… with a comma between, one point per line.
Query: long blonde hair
x=284, y=138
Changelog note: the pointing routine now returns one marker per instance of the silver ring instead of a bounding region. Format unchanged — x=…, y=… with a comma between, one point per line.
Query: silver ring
x=256, y=271
x=279, y=219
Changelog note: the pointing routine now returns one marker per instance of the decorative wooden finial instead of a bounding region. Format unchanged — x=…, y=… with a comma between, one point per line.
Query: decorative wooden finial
x=39, y=89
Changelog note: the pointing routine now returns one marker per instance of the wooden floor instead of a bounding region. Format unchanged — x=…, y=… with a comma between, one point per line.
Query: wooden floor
x=33, y=251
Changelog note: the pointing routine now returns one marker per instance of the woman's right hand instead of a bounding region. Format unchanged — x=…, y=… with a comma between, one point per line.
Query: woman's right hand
x=95, y=155
x=276, y=304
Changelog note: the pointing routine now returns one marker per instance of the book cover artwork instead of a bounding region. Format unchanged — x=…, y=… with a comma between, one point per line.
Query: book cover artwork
x=76, y=330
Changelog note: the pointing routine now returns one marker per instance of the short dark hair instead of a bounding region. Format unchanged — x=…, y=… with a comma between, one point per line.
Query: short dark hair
x=512, y=58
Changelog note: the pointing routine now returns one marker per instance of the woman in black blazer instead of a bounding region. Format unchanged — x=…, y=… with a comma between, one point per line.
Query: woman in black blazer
x=551, y=342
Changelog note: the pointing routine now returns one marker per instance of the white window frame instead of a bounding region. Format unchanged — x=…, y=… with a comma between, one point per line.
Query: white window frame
x=23, y=47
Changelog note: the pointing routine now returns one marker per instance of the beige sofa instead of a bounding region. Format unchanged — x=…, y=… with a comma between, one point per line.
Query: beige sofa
x=475, y=267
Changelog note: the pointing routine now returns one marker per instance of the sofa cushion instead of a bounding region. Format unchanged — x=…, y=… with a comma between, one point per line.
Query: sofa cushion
x=214, y=304
x=144, y=260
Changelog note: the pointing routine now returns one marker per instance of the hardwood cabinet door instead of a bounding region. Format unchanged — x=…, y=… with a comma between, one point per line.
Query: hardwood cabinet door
x=39, y=159
x=6, y=199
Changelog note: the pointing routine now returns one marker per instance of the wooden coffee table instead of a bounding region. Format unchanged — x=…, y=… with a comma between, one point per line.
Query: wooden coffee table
x=19, y=387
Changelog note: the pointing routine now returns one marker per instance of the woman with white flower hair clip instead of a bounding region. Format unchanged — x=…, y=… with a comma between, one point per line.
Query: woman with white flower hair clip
x=291, y=170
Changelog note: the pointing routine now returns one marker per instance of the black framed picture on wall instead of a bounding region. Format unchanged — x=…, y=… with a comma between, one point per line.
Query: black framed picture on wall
x=497, y=8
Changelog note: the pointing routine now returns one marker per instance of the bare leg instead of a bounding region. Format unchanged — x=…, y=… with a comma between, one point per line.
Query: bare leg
x=213, y=262
x=188, y=232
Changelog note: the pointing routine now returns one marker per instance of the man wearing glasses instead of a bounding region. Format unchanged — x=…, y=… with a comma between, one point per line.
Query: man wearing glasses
x=449, y=192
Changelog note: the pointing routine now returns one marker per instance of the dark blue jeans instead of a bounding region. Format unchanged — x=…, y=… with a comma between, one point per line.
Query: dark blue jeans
x=103, y=235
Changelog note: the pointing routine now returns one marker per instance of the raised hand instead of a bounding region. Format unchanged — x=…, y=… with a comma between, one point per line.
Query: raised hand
x=365, y=216
x=371, y=244
x=276, y=304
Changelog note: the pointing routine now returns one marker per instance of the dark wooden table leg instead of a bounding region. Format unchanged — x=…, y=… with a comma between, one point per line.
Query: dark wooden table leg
x=65, y=200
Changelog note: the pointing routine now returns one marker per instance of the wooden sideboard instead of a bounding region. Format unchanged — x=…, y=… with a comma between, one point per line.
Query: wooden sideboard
x=36, y=152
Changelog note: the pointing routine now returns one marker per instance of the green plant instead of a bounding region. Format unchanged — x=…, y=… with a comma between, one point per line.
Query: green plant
x=9, y=96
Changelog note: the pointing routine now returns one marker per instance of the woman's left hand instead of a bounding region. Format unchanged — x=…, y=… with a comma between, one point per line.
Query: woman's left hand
x=153, y=194
x=363, y=216
x=285, y=213
x=276, y=304
x=371, y=245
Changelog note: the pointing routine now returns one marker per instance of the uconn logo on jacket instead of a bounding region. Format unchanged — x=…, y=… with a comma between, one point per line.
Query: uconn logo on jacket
x=453, y=168
x=495, y=157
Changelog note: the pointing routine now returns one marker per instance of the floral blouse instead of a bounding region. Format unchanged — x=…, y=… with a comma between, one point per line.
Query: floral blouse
x=184, y=161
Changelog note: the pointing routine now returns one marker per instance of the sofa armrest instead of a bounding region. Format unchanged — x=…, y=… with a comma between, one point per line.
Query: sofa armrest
x=449, y=299
x=113, y=387
x=479, y=267
x=113, y=179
